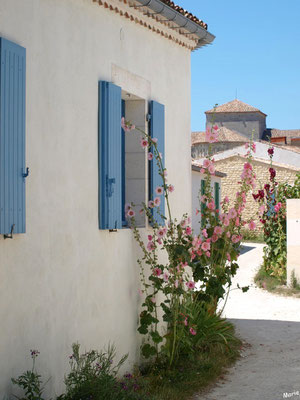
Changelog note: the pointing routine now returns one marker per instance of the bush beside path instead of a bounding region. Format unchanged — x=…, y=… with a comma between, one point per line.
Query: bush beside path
x=269, y=367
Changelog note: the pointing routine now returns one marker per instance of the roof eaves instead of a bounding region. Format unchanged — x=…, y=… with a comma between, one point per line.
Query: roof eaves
x=181, y=18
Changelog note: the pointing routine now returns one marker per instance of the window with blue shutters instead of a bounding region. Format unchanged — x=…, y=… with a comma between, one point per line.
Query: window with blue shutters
x=157, y=130
x=122, y=160
x=12, y=137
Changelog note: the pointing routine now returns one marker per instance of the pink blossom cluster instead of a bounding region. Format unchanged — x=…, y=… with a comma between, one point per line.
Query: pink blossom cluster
x=248, y=175
x=126, y=125
x=209, y=166
x=212, y=134
x=251, y=146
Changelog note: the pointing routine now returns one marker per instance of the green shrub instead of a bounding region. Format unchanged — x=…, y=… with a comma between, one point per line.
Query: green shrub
x=94, y=377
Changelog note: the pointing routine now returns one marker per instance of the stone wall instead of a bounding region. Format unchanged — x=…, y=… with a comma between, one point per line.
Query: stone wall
x=244, y=123
x=200, y=150
x=233, y=167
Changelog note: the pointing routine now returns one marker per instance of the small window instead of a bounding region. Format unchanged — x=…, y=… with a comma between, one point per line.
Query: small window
x=124, y=173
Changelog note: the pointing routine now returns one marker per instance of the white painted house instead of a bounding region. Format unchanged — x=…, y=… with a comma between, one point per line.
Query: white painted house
x=69, y=70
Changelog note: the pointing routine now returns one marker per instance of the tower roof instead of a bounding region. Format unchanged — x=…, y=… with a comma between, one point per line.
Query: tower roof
x=234, y=106
x=225, y=135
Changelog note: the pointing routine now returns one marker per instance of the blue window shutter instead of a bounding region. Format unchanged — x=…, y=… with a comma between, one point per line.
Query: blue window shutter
x=12, y=137
x=110, y=156
x=157, y=130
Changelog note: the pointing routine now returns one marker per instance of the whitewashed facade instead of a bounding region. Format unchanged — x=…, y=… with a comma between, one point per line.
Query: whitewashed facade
x=66, y=280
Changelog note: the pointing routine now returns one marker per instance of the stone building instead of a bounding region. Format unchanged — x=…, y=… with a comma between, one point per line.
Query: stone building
x=238, y=122
x=286, y=162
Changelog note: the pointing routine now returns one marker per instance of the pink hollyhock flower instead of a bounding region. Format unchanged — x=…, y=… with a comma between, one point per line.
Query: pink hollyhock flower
x=271, y=151
x=157, y=272
x=144, y=143
x=215, y=127
x=188, y=230
x=207, y=254
x=237, y=222
x=151, y=204
x=126, y=125
x=226, y=221
x=211, y=205
x=262, y=209
x=206, y=163
x=203, y=198
x=235, y=238
x=190, y=284
x=204, y=233
x=247, y=146
x=166, y=276
x=150, y=156
x=159, y=241
x=150, y=246
x=154, y=140
x=253, y=147
x=252, y=225
x=193, y=332
x=199, y=252
x=161, y=232
x=197, y=211
x=218, y=230
x=202, y=170
x=232, y=213
x=226, y=199
x=228, y=234
x=153, y=299
x=205, y=246
x=248, y=166
x=159, y=190
x=228, y=257
x=186, y=321
x=130, y=213
x=211, y=169
x=278, y=207
x=214, y=238
x=150, y=237
x=157, y=201
x=171, y=188
x=176, y=283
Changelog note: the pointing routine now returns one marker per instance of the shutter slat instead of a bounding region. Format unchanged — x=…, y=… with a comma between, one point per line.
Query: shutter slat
x=157, y=130
x=12, y=137
x=110, y=150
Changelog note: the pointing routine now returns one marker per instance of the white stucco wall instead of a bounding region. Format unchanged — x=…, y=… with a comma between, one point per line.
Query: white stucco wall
x=65, y=280
x=293, y=239
x=196, y=191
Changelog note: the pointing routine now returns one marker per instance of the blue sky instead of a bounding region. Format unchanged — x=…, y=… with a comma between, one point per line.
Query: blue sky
x=256, y=52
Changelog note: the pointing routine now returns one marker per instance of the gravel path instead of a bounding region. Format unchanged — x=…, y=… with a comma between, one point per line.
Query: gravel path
x=269, y=368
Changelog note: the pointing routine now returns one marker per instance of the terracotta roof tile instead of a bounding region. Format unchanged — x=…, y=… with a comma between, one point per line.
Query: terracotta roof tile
x=290, y=133
x=225, y=135
x=185, y=13
x=234, y=106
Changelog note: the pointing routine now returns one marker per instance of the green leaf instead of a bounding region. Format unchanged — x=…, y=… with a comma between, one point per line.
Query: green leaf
x=148, y=350
x=156, y=337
